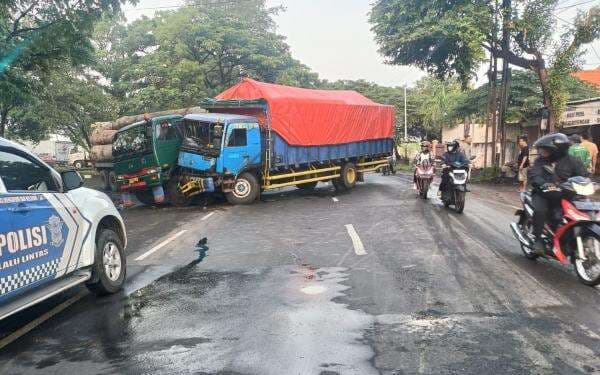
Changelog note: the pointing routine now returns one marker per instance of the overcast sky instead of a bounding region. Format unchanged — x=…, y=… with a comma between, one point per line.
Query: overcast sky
x=333, y=37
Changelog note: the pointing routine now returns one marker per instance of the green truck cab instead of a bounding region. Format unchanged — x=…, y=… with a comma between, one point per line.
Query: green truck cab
x=144, y=155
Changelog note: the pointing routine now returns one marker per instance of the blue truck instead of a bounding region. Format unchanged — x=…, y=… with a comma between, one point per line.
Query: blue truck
x=226, y=150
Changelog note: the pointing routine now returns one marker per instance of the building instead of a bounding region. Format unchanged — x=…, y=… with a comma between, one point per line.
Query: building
x=479, y=146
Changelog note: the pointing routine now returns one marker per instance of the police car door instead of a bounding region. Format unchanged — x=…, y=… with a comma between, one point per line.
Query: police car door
x=9, y=267
x=42, y=232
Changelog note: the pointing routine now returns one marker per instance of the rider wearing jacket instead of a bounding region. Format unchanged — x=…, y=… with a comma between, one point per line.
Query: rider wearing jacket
x=451, y=156
x=553, y=154
x=422, y=156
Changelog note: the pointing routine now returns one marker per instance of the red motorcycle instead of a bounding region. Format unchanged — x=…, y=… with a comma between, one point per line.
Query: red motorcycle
x=424, y=173
x=572, y=235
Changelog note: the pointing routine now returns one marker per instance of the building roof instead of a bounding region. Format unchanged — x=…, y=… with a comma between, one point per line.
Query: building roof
x=589, y=76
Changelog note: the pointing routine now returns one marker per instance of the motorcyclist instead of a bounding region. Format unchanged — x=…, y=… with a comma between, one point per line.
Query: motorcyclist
x=423, y=155
x=452, y=155
x=553, y=156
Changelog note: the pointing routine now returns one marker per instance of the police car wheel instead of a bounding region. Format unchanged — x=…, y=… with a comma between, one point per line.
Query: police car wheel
x=108, y=271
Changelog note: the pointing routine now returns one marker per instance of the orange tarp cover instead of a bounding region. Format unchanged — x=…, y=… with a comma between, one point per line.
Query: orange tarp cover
x=305, y=117
x=589, y=76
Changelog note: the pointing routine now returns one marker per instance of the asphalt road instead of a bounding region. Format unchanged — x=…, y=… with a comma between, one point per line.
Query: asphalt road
x=375, y=281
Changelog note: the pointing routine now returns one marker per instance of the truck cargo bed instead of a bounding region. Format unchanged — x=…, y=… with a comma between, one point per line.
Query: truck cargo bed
x=287, y=156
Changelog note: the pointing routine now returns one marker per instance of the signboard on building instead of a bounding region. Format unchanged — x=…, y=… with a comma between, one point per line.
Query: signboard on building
x=582, y=113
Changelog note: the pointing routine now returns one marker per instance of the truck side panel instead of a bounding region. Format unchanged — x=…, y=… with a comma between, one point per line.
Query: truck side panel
x=286, y=156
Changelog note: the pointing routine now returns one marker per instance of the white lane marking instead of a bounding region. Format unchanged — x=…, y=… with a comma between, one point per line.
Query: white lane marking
x=335, y=199
x=207, y=216
x=41, y=319
x=359, y=248
x=160, y=245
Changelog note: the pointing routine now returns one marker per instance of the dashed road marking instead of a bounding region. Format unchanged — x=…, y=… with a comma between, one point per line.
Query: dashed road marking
x=160, y=245
x=359, y=248
x=207, y=216
x=41, y=319
x=335, y=199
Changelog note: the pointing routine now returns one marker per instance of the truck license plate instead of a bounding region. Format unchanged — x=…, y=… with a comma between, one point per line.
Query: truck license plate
x=133, y=180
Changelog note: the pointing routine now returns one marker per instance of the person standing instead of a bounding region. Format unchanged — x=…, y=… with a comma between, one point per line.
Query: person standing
x=578, y=151
x=592, y=149
x=523, y=163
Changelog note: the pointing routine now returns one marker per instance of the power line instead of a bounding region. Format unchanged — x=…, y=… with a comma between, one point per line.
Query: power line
x=574, y=5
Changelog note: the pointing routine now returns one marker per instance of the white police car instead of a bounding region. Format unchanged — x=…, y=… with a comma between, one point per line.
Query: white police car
x=54, y=233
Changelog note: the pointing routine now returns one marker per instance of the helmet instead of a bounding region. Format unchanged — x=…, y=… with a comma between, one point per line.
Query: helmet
x=425, y=146
x=558, y=144
x=452, y=146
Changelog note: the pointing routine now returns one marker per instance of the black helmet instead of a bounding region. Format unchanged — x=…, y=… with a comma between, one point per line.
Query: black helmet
x=558, y=144
x=452, y=146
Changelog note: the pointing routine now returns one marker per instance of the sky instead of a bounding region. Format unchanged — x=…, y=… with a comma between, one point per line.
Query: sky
x=334, y=39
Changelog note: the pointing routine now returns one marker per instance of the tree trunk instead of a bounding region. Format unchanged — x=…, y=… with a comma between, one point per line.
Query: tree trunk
x=3, y=121
x=542, y=73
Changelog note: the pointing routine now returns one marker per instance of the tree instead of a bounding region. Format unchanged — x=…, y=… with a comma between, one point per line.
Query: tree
x=38, y=36
x=180, y=57
x=67, y=104
x=452, y=38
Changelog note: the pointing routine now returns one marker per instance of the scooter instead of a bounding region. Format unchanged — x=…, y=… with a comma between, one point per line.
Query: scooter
x=424, y=172
x=572, y=235
x=456, y=190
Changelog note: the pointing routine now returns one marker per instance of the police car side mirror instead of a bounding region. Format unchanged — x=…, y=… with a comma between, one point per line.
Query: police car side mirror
x=71, y=180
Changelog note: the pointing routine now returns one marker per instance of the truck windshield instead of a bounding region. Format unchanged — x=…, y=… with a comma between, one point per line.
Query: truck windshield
x=203, y=137
x=131, y=142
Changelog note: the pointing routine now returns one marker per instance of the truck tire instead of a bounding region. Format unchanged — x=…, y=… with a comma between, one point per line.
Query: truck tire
x=109, y=268
x=175, y=196
x=145, y=197
x=78, y=164
x=105, y=180
x=112, y=181
x=307, y=186
x=245, y=189
x=348, y=177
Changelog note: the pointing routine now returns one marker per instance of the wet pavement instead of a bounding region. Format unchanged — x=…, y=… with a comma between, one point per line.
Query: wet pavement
x=281, y=289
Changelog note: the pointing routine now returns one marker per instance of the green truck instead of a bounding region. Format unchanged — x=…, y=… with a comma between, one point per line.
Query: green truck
x=144, y=154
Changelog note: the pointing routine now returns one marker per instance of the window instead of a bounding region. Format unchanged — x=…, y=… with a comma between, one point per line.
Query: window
x=21, y=174
x=237, y=138
x=166, y=131
x=131, y=142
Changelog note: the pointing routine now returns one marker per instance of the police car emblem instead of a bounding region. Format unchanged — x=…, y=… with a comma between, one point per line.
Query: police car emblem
x=55, y=227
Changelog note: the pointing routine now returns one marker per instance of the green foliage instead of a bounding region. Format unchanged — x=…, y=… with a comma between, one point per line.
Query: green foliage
x=450, y=38
x=38, y=38
x=68, y=103
x=443, y=38
x=179, y=57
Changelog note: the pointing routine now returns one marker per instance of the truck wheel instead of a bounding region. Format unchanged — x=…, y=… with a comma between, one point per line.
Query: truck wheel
x=78, y=164
x=109, y=268
x=308, y=186
x=112, y=181
x=349, y=176
x=144, y=196
x=105, y=179
x=176, y=197
x=245, y=189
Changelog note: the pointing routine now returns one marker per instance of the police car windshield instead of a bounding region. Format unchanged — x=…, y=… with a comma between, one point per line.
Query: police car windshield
x=131, y=142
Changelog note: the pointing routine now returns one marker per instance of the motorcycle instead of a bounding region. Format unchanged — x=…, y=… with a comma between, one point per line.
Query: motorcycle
x=424, y=172
x=456, y=190
x=572, y=235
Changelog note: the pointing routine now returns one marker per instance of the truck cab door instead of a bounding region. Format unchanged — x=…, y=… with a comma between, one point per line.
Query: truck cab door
x=166, y=142
x=242, y=147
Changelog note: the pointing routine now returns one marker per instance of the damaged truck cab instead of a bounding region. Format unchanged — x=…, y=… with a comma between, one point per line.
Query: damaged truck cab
x=144, y=155
x=217, y=150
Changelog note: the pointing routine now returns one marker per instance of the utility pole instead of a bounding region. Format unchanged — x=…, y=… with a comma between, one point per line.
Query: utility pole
x=405, y=117
x=506, y=10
